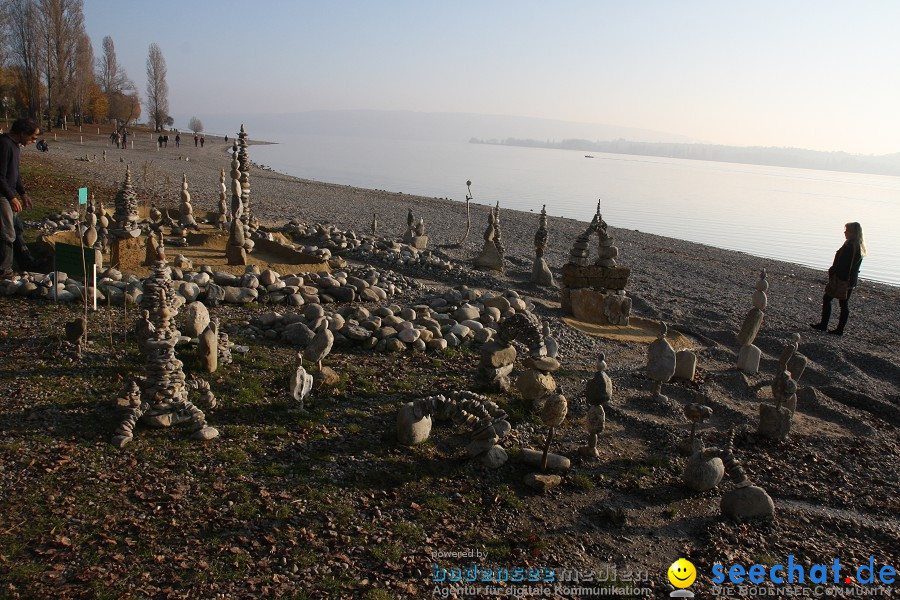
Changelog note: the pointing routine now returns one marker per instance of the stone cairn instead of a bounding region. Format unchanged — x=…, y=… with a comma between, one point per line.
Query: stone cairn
x=595, y=292
x=187, y=211
x=498, y=241
x=374, y=225
x=415, y=233
x=125, y=219
x=598, y=393
x=235, y=250
x=491, y=258
x=498, y=355
x=244, y=166
x=695, y=413
x=540, y=271
x=485, y=419
x=745, y=501
x=549, y=341
x=90, y=235
x=660, y=362
x=222, y=216
x=775, y=419
x=102, y=224
x=552, y=415
x=160, y=397
x=749, y=355
x=410, y=224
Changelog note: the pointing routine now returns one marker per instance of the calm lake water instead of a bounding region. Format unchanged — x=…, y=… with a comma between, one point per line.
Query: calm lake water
x=795, y=215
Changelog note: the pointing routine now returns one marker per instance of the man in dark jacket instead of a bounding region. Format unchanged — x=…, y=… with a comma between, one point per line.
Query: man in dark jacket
x=22, y=133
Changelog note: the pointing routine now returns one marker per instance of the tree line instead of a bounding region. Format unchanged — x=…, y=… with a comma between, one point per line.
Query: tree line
x=48, y=70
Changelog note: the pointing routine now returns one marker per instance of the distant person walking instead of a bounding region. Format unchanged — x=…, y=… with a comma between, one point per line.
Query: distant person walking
x=178, y=140
x=159, y=141
x=202, y=141
x=12, y=244
x=842, y=278
x=166, y=141
x=124, y=139
x=196, y=140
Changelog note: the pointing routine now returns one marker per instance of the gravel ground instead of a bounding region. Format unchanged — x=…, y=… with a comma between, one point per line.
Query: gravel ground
x=836, y=473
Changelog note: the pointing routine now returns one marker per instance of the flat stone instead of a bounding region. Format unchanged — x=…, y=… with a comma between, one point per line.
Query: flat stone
x=205, y=434
x=747, y=503
x=748, y=359
x=544, y=364
x=494, y=355
x=685, y=365
x=555, y=462
x=542, y=482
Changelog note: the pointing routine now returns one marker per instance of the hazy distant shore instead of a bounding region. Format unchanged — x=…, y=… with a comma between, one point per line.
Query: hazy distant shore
x=797, y=158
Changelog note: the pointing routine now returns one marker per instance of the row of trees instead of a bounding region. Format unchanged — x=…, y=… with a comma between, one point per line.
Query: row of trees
x=48, y=71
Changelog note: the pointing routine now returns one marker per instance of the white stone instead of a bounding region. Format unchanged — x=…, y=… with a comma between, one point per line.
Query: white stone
x=748, y=359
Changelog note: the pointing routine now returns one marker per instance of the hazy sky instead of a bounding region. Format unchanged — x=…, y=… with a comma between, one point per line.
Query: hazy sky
x=821, y=74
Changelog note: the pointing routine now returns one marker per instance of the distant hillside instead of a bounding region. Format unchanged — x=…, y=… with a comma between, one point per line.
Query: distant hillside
x=887, y=164
x=411, y=125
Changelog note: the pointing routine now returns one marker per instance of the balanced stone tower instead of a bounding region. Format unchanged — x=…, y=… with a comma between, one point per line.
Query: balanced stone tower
x=244, y=166
x=187, y=211
x=222, y=216
x=749, y=355
x=595, y=292
x=127, y=249
x=160, y=397
x=235, y=250
x=490, y=258
x=540, y=272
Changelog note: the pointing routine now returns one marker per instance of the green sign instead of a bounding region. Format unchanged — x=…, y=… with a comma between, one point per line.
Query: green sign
x=82, y=196
x=67, y=258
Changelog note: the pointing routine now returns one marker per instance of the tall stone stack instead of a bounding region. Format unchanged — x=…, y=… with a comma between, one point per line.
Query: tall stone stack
x=222, y=216
x=187, y=211
x=490, y=257
x=127, y=250
x=595, y=292
x=244, y=166
x=598, y=393
x=235, y=250
x=90, y=235
x=540, y=271
x=749, y=355
x=410, y=225
x=102, y=224
x=125, y=219
x=160, y=397
x=498, y=241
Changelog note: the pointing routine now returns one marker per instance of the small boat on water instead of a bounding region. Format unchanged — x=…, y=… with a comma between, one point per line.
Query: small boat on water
x=588, y=156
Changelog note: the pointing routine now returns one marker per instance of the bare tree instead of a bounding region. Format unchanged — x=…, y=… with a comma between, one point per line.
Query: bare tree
x=157, y=88
x=110, y=73
x=195, y=125
x=61, y=23
x=82, y=75
x=21, y=20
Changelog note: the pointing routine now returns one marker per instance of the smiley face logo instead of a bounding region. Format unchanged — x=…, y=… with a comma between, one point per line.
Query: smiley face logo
x=682, y=573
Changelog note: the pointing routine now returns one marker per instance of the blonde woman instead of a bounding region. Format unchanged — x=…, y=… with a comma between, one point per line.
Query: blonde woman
x=842, y=277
